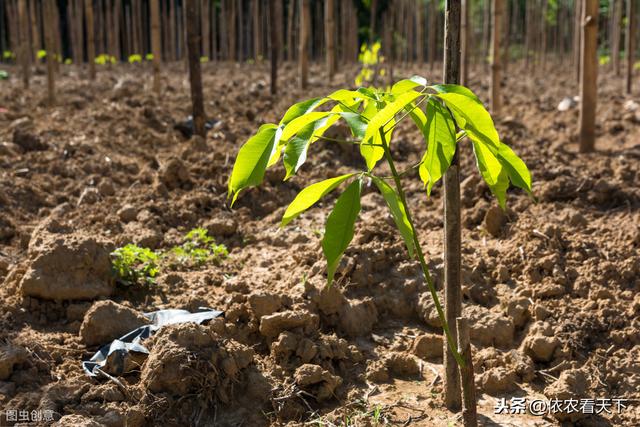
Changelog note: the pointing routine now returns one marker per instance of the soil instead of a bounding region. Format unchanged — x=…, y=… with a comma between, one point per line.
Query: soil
x=550, y=286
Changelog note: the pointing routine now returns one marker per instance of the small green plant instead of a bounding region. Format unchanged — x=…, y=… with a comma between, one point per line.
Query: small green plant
x=198, y=249
x=135, y=58
x=444, y=114
x=41, y=54
x=149, y=57
x=68, y=61
x=7, y=54
x=604, y=59
x=370, y=59
x=204, y=59
x=4, y=75
x=135, y=265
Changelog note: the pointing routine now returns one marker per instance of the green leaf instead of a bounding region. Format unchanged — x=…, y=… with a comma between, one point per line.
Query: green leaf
x=295, y=152
x=295, y=125
x=356, y=123
x=516, y=169
x=492, y=171
x=461, y=90
x=372, y=150
x=471, y=116
x=440, y=134
x=300, y=109
x=398, y=212
x=407, y=84
x=339, y=229
x=310, y=195
x=248, y=170
x=383, y=116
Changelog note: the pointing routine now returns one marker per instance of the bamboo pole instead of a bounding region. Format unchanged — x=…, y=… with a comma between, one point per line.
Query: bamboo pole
x=452, y=224
x=589, y=75
x=195, y=76
x=303, y=51
x=469, y=405
x=497, y=11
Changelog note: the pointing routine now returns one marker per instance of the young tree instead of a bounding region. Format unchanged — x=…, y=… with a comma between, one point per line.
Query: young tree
x=577, y=36
x=195, y=77
x=330, y=31
x=464, y=43
x=49, y=47
x=303, y=52
x=156, y=48
x=498, y=10
x=589, y=75
x=452, y=221
x=273, y=32
x=630, y=42
x=91, y=46
x=24, y=54
x=616, y=17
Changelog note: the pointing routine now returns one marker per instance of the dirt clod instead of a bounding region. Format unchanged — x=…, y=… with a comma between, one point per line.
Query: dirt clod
x=494, y=220
x=107, y=320
x=428, y=346
x=272, y=325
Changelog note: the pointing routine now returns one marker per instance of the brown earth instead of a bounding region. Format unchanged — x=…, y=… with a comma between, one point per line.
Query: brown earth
x=551, y=287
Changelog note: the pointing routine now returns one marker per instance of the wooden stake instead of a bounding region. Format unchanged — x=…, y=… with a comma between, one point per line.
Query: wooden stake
x=630, y=42
x=498, y=10
x=49, y=47
x=91, y=46
x=452, y=224
x=273, y=34
x=589, y=75
x=330, y=29
x=303, y=52
x=24, y=56
x=469, y=407
x=195, y=77
x=155, y=43
x=615, y=35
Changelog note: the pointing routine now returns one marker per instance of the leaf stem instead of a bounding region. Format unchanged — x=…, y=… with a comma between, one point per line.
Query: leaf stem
x=416, y=243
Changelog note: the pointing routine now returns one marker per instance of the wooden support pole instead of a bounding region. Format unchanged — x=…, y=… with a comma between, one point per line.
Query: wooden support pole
x=496, y=32
x=156, y=48
x=330, y=31
x=630, y=42
x=48, y=6
x=195, y=77
x=273, y=35
x=469, y=406
x=24, y=54
x=303, y=51
x=588, y=75
x=452, y=221
x=91, y=46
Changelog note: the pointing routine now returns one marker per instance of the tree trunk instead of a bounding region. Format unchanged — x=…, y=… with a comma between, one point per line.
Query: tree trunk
x=156, y=48
x=432, y=34
x=273, y=34
x=630, y=42
x=372, y=21
x=206, y=35
x=172, y=31
x=464, y=43
x=303, y=51
x=91, y=46
x=195, y=77
x=419, y=33
x=615, y=35
x=452, y=232
x=497, y=11
x=117, y=50
x=577, y=37
x=330, y=29
x=35, y=34
x=543, y=24
x=589, y=75
x=49, y=47
x=24, y=54
x=290, y=42
x=232, y=32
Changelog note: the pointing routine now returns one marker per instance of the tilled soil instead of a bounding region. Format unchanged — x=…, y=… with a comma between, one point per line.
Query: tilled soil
x=550, y=286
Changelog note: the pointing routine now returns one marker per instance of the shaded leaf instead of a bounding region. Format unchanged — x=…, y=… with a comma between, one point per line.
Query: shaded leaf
x=398, y=212
x=516, y=169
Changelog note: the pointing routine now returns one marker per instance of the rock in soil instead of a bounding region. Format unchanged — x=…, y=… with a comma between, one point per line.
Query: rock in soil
x=69, y=267
x=27, y=140
x=107, y=320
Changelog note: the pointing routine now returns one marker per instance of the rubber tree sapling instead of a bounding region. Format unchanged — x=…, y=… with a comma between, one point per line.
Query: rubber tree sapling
x=372, y=116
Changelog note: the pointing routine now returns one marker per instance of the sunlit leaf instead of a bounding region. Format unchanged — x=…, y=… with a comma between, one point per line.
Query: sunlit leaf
x=339, y=228
x=407, y=84
x=310, y=195
x=251, y=162
x=398, y=213
x=440, y=134
x=383, y=116
x=516, y=169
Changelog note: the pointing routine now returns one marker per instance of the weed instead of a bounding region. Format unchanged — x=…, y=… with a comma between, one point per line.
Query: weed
x=135, y=265
x=198, y=249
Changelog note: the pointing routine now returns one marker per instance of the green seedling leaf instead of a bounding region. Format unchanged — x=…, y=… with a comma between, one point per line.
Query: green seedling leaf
x=407, y=84
x=517, y=170
x=310, y=196
x=492, y=171
x=440, y=134
x=339, y=229
x=357, y=124
x=252, y=159
x=461, y=90
x=300, y=109
x=398, y=212
x=383, y=116
x=471, y=116
x=295, y=125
